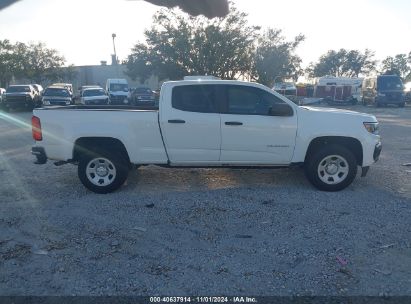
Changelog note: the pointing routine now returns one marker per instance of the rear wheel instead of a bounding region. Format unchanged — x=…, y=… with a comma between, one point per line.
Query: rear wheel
x=331, y=168
x=401, y=105
x=103, y=172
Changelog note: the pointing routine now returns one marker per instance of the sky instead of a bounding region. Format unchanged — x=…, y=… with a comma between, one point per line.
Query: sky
x=81, y=29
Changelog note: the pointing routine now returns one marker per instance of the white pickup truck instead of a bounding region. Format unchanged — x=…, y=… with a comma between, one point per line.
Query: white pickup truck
x=208, y=123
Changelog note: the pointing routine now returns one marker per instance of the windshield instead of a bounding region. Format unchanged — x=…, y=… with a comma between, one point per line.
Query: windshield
x=18, y=89
x=98, y=92
x=143, y=91
x=389, y=83
x=60, y=92
x=117, y=87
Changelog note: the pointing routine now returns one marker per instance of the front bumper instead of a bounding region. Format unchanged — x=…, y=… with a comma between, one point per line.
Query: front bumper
x=96, y=102
x=119, y=100
x=377, y=151
x=40, y=154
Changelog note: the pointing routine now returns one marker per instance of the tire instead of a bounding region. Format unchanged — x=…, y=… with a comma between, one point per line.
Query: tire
x=401, y=105
x=334, y=158
x=106, y=177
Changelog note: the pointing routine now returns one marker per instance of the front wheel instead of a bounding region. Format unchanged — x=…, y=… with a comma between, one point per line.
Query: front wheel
x=331, y=168
x=102, y=172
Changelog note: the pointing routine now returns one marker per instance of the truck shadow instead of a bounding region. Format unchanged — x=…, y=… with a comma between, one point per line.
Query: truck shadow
x=155, y=179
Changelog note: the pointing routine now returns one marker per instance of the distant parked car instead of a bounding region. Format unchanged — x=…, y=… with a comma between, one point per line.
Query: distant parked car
x=67, y=86
x=56, y=96
x=285, y=88
x=143, y=96
x=77, y=97
x=94, y=96
x=18, y=96
x=383, y=90
x=407, y=91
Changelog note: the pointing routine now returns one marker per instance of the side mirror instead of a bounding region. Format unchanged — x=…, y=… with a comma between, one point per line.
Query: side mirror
x=281, y=109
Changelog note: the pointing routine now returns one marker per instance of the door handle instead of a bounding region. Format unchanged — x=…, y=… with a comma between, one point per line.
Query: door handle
x=233, y=123
x=177, y=121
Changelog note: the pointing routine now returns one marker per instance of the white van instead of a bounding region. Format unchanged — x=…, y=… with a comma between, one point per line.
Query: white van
x=118, y=91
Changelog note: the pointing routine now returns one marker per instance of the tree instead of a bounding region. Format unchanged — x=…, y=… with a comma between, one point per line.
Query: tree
x=42, y=63
x=343, y=63
x=34, y=62
x=177, y=45
x=6, y=62
x=398, y=65
x=275, y=58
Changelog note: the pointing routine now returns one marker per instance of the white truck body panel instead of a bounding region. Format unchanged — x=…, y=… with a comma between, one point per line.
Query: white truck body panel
x=204, y=139
x=141, y=137
x=319, y=122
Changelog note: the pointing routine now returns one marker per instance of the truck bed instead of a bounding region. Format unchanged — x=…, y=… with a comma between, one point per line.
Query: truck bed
x=137, y=128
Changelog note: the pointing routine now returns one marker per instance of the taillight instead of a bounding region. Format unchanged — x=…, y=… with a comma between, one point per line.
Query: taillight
x=36, y=128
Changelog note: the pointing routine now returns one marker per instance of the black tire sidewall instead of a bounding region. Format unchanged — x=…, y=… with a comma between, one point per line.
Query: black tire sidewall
x=311, y=167
x=119, y=163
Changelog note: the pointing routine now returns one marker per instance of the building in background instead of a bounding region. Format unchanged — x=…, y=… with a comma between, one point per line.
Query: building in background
x=98, y=75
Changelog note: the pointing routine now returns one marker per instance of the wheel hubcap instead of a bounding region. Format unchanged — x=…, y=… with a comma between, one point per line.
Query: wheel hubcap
x=333, y=169
x=101, y=171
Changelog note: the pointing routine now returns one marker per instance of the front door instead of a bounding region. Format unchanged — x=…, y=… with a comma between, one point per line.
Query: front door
x=250, y=135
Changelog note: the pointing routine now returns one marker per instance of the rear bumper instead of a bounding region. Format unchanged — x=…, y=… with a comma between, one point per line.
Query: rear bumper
x=40, y=154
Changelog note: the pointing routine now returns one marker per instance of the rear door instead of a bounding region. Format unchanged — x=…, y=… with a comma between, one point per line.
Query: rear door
x=191, y=124
x=250, y=135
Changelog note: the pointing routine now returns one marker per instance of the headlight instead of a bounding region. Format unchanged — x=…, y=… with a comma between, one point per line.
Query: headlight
x=126, y=101
x=372, y=127
x=381, y=94
x=46, y=102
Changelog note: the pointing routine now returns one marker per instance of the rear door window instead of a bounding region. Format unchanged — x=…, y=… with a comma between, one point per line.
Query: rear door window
x=195, y=98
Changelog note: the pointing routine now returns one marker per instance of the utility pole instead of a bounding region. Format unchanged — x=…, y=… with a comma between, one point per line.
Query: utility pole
x=114, y=46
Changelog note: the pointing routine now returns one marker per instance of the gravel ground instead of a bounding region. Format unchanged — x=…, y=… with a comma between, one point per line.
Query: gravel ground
x=205, y=231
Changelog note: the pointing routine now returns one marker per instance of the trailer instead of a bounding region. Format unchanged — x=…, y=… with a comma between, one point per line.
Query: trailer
x=338, y=89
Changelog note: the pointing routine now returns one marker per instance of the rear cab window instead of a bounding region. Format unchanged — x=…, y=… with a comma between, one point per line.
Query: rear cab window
x=195, y=98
